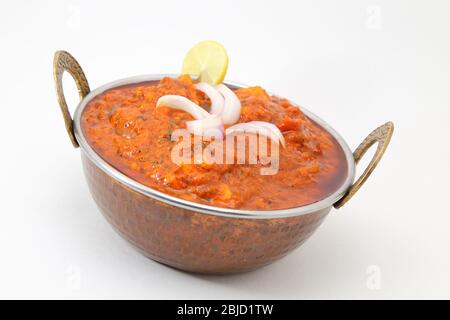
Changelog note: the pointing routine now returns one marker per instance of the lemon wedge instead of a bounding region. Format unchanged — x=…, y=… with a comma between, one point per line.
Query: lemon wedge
x=208, y=60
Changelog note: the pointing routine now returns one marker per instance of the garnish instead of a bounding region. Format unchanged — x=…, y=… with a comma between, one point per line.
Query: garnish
x=258, y=127
x=207, y=60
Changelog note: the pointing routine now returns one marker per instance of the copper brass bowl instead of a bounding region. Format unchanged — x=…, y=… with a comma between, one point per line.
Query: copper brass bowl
x=192, y=236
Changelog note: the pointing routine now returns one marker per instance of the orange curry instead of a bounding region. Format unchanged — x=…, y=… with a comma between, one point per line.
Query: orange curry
x=126, y=129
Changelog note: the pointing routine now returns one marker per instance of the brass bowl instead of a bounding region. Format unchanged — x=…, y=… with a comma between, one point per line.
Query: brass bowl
x=192, y=236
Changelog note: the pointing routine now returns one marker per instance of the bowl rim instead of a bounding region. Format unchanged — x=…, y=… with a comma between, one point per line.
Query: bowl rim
x=198, y=207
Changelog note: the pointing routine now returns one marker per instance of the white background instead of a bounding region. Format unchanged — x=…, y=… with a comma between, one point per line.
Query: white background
x=355, y=63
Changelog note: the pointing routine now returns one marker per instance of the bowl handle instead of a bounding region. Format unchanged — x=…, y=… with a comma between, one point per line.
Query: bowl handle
x=63, y=61
x=381, y=135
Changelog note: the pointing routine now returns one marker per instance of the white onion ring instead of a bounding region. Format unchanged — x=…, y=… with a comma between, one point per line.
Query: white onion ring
x=232, y=106
x=211, y=126
x=272, y=128
x=217, y=100
x=259, y=127
x=184, y=104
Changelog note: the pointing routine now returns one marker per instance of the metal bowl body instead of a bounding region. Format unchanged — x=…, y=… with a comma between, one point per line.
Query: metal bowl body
x=194, y=241
x=192, y=236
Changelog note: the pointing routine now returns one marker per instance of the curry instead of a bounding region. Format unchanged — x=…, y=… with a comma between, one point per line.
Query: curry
x=124, y=126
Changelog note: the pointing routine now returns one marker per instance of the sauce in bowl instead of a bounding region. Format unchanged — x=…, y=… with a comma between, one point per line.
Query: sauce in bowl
x=126, y=129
